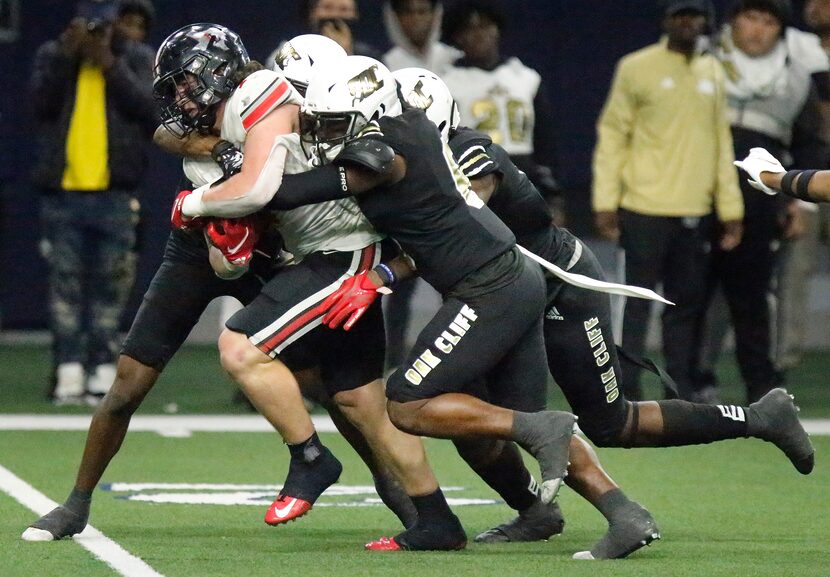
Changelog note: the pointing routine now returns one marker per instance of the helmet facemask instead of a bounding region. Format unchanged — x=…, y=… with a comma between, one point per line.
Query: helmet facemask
x=323, y=134
x=343, y=97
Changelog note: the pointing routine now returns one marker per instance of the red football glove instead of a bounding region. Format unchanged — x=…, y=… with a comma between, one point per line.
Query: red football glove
x=234, y=237
x=355, y=295
x=180, y=221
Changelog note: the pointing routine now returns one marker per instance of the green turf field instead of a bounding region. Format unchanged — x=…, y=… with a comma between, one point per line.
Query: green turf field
x=734, y=509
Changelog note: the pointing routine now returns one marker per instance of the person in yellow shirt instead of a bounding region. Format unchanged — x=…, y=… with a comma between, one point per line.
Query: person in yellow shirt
x=662, y=166
x=92, y=94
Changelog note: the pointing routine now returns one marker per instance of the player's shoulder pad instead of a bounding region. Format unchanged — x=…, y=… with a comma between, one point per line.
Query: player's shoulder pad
x=367, y=152
x=465, y=138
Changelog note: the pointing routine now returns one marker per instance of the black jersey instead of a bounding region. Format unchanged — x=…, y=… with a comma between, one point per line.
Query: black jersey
x=426, y=212
x=516, y=201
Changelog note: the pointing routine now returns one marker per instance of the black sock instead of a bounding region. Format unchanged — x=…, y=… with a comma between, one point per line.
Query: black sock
x=78, y=502
x=507, y=475
x=432, y=507
x=612, y=503
x=308, y=450
x=687, y=423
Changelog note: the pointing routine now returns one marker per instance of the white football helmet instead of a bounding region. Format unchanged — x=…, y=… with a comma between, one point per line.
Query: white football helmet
x=297, y=57
x=343, y=96
x=425, y=90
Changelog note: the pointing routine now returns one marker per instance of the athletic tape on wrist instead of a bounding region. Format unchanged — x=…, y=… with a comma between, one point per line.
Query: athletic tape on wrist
x=802, y=179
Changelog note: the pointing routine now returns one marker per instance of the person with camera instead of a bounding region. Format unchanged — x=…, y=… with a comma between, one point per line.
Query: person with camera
x=92, y=93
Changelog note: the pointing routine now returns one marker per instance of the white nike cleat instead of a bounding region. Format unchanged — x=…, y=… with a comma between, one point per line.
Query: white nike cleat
x=34, y=534
x=583, y=556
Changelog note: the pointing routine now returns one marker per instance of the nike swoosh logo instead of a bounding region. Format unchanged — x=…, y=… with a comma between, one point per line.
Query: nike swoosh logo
x=283, y=513
x=241, y=242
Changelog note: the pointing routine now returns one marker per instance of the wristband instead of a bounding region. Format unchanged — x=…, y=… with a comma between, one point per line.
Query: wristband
x=386, y=275
x=804, y=177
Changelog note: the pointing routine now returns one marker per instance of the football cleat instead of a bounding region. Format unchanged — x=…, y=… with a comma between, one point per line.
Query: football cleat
x=286, y=509
x=636, y=530
x=60, y=522
x=446, y=534
x=538, y=522
x=383, y=544
x=774, y=418
x=306, y=481
x=547, y=436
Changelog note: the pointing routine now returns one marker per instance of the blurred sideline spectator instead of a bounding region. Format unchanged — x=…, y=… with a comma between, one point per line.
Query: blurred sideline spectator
x=414, y=27
x=500, y=96
x=773, y=104
x=663, y=160
x=334, y=19
x=91, y=90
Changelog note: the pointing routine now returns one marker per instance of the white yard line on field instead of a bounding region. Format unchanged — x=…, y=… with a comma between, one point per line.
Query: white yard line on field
x=91, y=539
x=165, y=425
x=184, y=425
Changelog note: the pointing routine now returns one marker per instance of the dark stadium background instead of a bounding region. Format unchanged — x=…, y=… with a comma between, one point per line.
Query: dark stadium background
x=573, y=43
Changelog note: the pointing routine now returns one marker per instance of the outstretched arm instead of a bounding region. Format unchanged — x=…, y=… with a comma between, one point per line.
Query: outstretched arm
x=767, y=175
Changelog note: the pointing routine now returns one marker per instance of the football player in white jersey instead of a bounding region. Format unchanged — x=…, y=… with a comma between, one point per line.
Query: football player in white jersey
x=281, y=330
x=181, y=289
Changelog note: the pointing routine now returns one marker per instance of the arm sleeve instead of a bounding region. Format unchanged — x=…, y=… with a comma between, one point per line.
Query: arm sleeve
x=613, y=142
x=318, y=185
x=52, y=73
x=729, y=202
x=130, y=82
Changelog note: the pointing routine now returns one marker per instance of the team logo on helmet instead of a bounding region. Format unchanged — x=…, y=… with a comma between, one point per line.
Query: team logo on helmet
x=287, y=52
x=364, y=84
x=417, y=98
x=212, y=35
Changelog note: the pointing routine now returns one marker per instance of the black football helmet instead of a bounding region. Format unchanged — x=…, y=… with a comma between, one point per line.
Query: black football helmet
x=196, y=64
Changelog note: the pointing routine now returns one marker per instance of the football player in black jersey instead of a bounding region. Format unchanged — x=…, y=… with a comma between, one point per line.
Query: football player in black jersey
x=581, y=353
x=486, y=339
x=181, y=289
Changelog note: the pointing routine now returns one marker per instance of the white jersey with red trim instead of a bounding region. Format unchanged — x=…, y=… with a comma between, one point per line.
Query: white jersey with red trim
x=336, y=225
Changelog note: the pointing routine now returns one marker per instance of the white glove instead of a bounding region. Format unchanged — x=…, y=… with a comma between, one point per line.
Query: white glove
x=758, y=161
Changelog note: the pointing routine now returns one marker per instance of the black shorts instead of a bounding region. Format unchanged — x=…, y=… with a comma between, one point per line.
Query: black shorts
x=284, y=321
x=489, y=346
x=581, y=353
x=181, y=289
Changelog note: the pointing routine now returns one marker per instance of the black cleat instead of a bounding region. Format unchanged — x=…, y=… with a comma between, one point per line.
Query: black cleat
x=60, y=522
x=447, y=535
x=539, y=522
x=635, y=530
x=307, y=481
x=774, y=418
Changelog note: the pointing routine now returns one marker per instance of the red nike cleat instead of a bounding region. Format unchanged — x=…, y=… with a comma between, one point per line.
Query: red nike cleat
x=286, y=509
x=383, y=544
